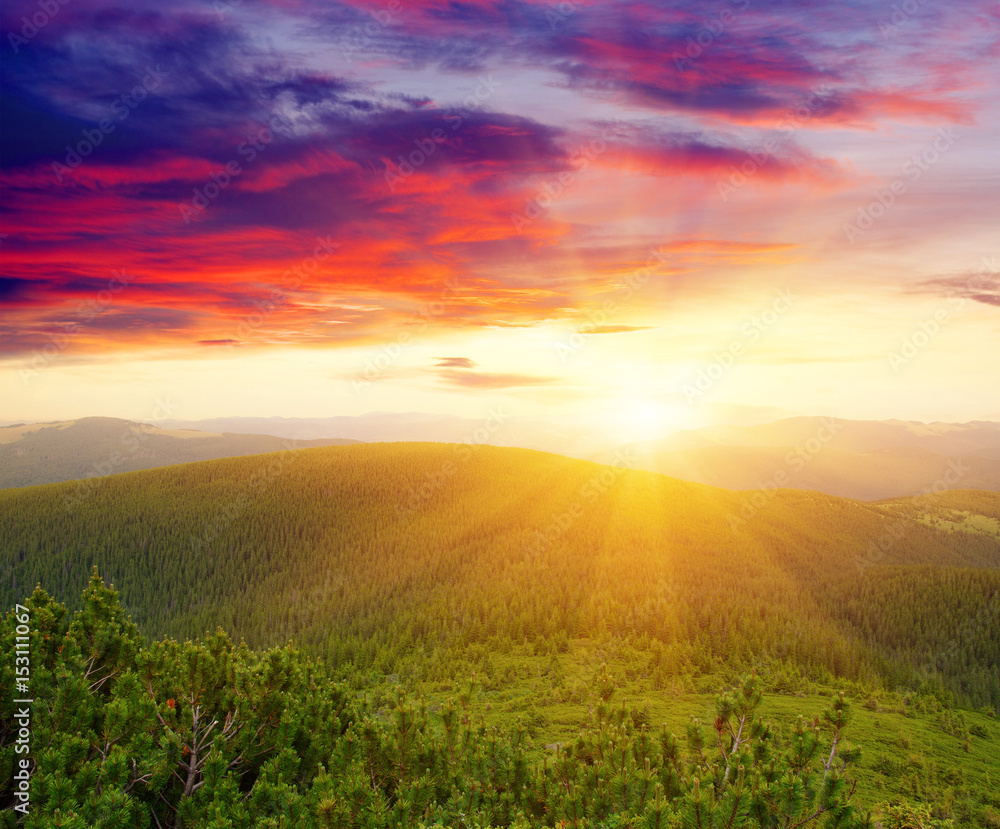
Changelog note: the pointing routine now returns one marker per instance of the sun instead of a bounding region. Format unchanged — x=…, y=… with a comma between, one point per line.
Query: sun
x=645, y=415
x=639, y=417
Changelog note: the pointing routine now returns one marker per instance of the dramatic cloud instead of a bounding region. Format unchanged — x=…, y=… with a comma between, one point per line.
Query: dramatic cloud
x=359, y=174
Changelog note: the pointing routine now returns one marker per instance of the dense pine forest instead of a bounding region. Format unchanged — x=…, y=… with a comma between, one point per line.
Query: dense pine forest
x=400, y=570
x=213, y=735
x=368, y=554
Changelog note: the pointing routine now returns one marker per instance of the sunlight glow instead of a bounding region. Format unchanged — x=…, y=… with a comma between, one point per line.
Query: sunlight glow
x=640, y=417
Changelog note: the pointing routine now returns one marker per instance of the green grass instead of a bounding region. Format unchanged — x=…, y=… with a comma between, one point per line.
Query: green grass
x=963, y=521
x=941, y=515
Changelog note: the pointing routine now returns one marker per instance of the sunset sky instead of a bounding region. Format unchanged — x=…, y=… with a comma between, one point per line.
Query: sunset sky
x=671, y=213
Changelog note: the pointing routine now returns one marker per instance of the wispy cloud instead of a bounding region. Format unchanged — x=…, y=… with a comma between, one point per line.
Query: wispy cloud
x=455, y=362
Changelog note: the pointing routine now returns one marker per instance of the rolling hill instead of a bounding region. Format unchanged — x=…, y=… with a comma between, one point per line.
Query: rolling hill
x=560, y=619
x=94, y=447
x=380, y=556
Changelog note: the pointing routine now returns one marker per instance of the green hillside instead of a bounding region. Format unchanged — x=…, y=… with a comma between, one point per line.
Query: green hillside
x=365, y=553
x=561, y=620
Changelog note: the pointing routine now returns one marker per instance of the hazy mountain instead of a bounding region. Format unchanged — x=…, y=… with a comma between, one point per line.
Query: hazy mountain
x=43, y=453
x=855, y=459
x=496, y=427
x=857, y=436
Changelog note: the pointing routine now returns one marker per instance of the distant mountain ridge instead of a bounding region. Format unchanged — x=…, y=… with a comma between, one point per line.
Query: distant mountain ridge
x=868, y=460
x=42, y=453
x=501, y=429
x=858, y=436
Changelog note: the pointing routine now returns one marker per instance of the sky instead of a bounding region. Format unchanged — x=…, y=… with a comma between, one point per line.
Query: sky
x=654, y=215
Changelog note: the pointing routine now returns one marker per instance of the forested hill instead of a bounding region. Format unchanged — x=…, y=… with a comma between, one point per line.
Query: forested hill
x=386, y=555
x=93, y=447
